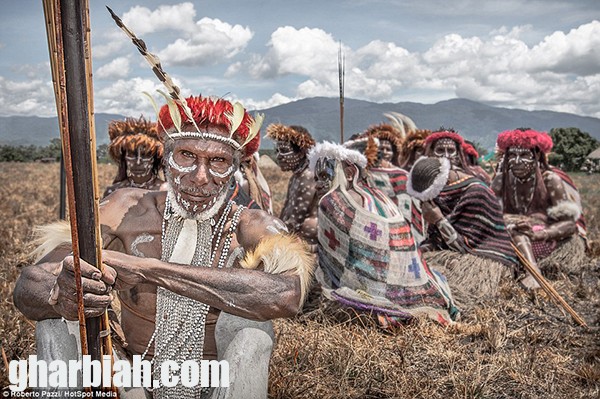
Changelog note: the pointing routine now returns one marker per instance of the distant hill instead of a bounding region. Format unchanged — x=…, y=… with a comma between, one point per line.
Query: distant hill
x=27, y=130
x=475, y=121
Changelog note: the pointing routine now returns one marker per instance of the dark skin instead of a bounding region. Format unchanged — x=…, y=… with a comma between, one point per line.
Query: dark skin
x=299, y=211
x=129, y=214
x=140, y=173
x=522, y=165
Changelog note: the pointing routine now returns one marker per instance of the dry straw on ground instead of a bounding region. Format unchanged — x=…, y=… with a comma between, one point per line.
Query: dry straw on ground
x=518, y=346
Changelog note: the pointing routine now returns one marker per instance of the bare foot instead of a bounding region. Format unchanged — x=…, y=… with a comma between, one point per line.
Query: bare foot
x=529, y=283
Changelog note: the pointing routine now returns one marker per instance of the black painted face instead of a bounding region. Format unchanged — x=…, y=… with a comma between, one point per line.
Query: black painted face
x=324, y=174
x=139, y=165
x=521, y=162
x=287, y=157
x=447, y=148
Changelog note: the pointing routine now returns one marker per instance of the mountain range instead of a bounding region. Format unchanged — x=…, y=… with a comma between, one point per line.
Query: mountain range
x=475, y=121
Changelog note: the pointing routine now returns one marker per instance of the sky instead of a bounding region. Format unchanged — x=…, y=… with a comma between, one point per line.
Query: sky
x=533, y=55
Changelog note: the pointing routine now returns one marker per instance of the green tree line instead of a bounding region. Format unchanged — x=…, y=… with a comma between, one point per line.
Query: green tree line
x=51, y=152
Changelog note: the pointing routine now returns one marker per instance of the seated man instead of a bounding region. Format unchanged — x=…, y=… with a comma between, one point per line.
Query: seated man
x=367, y=256
x=179, y=259
x=299, y=212
x=467, y=240
x=138, y=152
x=542, y=208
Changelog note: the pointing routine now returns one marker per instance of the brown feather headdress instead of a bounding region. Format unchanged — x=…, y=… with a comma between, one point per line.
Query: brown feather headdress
x=384, y=131
x=296, y=135
x=130, y=134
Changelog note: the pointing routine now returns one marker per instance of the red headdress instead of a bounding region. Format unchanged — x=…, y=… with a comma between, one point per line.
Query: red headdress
x=524, y=138
x=470, y=150
x=242, y=129
x=444, y=134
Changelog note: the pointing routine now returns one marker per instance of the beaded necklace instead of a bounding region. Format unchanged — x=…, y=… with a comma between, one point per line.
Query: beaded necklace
x=180, y=321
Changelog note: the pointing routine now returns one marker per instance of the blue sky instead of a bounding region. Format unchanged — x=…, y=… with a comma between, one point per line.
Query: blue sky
x=535, y=55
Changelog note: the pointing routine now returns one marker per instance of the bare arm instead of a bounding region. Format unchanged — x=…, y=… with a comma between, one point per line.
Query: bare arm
x=252, y=294
x=300, y=202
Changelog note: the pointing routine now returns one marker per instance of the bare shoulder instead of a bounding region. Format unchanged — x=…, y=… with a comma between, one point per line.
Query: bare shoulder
x=255, y=224
x=552, y=180
x=133, y=202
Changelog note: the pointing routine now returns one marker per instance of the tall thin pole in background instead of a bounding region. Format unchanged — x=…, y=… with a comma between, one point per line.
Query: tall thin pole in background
x=342, y=78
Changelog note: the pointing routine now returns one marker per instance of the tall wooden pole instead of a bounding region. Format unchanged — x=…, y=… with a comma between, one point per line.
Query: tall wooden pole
x=342, y=77
x=72, y=14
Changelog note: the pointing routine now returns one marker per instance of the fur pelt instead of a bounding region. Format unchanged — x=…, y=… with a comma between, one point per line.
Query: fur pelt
x=48, y=237
x=568, y=210
x=283, y=253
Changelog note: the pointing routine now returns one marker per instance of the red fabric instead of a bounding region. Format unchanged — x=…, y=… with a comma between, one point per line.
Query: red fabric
x=525, y=139
x=210, y=112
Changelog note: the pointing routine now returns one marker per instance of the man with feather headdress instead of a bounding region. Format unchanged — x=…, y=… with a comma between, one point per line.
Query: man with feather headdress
x=138, y=152
x=542, y=207
x=299, y=212
x=180, y=259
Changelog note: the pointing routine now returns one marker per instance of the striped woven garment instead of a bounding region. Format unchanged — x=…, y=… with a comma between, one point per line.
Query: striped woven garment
x=476, y=215
x=392, y=181
x=370, y=261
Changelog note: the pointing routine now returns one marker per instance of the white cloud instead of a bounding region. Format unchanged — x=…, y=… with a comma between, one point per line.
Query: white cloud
x=305, y=51
x=125, y=97
x=117, y=68
x=142, y=20
x=210, y=41
x=26, y=98
x=275, y=100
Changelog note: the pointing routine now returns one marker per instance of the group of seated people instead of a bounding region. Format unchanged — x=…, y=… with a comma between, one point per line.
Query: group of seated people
x=408, y=223
x=400, y=221
x=424, y=228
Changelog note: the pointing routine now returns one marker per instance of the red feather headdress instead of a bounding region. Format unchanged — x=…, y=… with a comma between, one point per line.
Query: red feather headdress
x=214, y=112
x=525, y=139
x=444, y=134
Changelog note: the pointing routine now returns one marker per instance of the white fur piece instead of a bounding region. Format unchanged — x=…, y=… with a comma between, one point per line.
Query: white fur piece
x=331, y=150
x=565, y=210
x=283, y=253
x=438, y=183
x=47, y=238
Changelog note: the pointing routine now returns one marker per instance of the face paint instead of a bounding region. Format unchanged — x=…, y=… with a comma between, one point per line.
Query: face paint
x=521, y=162
x=139, y=168
x=324, y=174
x=287, y=158
x=447, y=148
x=199, y=173
x=179, y=168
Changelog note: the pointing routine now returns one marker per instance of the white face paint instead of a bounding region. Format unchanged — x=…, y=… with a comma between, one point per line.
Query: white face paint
x=179, y=168
x=221, y=175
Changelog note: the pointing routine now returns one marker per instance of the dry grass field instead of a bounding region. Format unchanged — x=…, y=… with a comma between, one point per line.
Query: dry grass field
x=518, y=346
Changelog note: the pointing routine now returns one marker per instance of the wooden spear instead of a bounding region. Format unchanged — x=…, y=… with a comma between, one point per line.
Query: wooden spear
x=341, y=77
x=547, y=287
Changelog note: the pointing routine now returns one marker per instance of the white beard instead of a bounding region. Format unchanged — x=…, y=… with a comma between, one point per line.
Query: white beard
x=186, y=210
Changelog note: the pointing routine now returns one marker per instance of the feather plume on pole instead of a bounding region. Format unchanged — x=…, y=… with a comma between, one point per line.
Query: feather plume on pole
x=154, y=62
